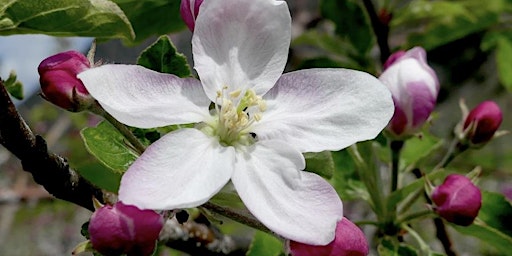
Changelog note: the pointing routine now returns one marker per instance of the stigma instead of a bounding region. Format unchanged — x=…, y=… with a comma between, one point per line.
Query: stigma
x=233, y=116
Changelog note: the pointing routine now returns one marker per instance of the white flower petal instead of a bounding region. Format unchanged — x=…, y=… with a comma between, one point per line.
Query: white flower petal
x=182, y=169
x=241, y=44
x=325, y=109
x=143, y=98
x=297, y=205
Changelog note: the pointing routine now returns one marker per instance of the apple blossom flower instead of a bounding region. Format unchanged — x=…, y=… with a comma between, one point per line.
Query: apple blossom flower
x=124, y=229
x=458, y=200
x=59, y=83
x=414, y=86
x=349, y=241
x=482, y=122
x=261, y=122
x=189, y=9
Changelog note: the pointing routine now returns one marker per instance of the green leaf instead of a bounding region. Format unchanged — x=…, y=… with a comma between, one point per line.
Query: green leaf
x=94, y=18
x=152, y=17
x=492, y=225
x=442, y=22
x=14, y=86
x=108, y=146
x=265, y=244
x=418, y=148
x=350, y=21
x=100, y=176
x=163, y=57
x=389, y=247
x=503, y=57
x=320, y=163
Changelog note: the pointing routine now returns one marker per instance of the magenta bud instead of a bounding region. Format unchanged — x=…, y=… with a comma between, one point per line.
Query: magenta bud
x=124, y=229
x=458, y=200
x=189, y=9
x=483, y=121
x=59, y=83
x=414, y=87
x=349, y=241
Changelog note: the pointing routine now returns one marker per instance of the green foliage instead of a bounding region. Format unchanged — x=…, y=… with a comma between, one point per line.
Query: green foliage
x=446, y=21
x=265, y=244
x=320, y=163
x=351, y=22
x=503, y=57
x=100, y=176
x=108, y=146
x=493, y=222
x=390, y=247
x=163, y=57
x=14, y=86
x=152, y=17
x=94, y=18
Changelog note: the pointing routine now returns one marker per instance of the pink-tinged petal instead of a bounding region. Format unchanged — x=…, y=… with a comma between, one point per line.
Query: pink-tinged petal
x=241, y=44
x=325, y=109
x=349, y=241
x=189, y=9
x=143, y=98
x=297, y=205
x=414, y=86
x=182, y=169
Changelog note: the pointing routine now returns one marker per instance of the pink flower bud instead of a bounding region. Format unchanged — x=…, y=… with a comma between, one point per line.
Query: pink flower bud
x=483, y=121
x=458, y=200
x=189, y=10
x=124, y=229
x=414, y=87
x=59, y=83
x=349, y=241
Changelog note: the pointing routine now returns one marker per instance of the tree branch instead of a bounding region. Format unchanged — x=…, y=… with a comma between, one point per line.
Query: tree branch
x=54, y=174
x=48, y=169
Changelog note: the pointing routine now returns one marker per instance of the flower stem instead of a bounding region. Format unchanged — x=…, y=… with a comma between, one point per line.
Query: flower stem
x=240, y=216
x=396, y=147
x=123, y=129
x=416, y=215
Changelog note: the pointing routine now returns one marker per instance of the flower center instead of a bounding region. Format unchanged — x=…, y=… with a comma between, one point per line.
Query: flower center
x=231, y=123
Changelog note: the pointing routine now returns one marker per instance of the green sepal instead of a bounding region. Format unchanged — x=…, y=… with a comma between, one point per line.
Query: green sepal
x=320, y=163
x=265, y=244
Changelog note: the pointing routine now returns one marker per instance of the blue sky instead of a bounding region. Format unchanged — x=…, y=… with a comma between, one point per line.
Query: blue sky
x=23, y=53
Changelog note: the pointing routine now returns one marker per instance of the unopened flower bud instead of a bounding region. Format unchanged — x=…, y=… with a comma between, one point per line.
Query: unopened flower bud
x=124, y=229
x=59, y=83
x=189, y=10
x=458, y=200
x=414, y=87
x=349, y=241
x=482, y=122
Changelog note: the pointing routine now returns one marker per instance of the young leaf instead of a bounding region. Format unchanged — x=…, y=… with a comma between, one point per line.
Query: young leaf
x=108, y=146
x=14, y=86
x=163, y=57
x=94, y=18
x=265, y=244
x=492, y=224
x=320, y=163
